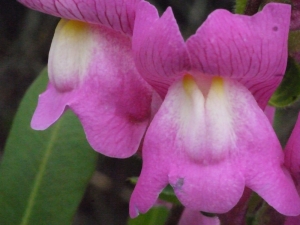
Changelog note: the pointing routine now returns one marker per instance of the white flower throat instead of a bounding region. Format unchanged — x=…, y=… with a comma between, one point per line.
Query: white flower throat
x=70, y=54
x=206, y=119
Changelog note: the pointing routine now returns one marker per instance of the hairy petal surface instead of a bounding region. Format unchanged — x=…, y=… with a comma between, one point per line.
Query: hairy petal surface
x=204, y=167
x=116, y=14
x=110, y=98
x=249, y=49
x=191, y=217
x=159, y=48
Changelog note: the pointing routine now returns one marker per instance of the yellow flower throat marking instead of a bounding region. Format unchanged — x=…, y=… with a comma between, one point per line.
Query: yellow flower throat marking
x=189, y=84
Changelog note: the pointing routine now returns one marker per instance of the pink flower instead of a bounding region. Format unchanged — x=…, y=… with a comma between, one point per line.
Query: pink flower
x=211, y=138
x=92, y=72
x=292, y=161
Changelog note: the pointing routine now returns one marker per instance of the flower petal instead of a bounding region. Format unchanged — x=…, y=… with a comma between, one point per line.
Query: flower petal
x=191, y=217
x=252, y=50
x=266, y=175
x=150, y=184
x=261, y=158
x=202, y=187
x=51, y=106
x=111, y=99
x=116, y=14
x=273, y=183
x=270, y=113
x=159, y=48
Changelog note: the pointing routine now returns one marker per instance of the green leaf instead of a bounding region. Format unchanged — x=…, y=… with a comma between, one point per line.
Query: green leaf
x=155, y=216
x=289, y=90
x=167, y=194
x=43, y=174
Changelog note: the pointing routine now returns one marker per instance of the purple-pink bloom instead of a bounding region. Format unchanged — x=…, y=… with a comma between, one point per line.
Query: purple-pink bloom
x=92, y=72
x=210, y=138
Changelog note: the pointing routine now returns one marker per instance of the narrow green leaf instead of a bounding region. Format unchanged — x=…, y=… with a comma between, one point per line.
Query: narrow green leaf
x=155, y=216
x=289, y=90
x=43, y=174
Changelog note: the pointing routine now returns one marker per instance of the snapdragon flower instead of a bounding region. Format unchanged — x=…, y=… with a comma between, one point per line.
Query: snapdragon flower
x=92, y=72
x=210, y=138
